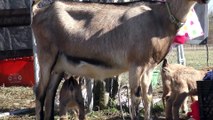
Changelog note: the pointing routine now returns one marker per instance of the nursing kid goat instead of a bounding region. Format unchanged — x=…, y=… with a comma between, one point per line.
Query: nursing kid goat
x=103, y=40
x=179, y=82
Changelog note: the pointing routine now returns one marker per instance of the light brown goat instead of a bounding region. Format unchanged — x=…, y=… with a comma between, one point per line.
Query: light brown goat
x=179, y=82
x=103, y=40
x=71, y=97
x=166, y=82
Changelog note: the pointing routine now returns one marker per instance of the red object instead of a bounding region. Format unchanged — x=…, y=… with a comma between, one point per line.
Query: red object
x=17, y=72
x=180, y=39
x=195, y=113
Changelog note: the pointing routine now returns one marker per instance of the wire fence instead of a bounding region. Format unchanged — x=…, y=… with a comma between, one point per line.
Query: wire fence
x=197, y=56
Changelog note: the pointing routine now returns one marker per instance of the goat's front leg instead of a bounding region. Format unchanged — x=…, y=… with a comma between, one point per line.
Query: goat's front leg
x=166, y=90
x=134, y=84
x=80, y=102
x=64, y=100
x=63, y=111
x=50, y=96
x=146, y=78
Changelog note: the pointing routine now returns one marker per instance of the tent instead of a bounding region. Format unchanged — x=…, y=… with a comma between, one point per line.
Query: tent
x=16, y=54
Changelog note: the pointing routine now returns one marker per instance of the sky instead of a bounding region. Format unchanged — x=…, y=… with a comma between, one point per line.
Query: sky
x=210, y=6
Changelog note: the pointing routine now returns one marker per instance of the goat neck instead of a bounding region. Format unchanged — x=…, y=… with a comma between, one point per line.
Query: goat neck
x=180, y=8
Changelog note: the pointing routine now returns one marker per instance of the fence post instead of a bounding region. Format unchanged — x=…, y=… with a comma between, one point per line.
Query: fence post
x=180, y=55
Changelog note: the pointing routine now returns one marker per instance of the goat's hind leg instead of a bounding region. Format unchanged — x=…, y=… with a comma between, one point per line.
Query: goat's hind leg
x=140, y=84
x=46, y=56
x=168, y=109
x=40, y=90
x=50, y=96
x=177, y=104
x=40, y=97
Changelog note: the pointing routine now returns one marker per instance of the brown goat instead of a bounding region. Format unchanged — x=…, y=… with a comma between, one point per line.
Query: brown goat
x=103, y=40
x=71, y=97
x=166, y=82
x=179, y=81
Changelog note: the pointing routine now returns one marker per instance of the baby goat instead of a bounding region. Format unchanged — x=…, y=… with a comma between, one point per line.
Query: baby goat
x=179, y=82
x=71, y=97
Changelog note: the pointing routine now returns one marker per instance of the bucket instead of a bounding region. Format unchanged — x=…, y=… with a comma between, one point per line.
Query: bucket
x=155, y=77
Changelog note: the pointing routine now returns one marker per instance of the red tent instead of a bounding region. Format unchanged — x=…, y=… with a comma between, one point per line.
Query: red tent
x=16, y=54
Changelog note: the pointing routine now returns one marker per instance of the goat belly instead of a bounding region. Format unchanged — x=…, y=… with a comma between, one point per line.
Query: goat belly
x=85, y=67
x=78, y=60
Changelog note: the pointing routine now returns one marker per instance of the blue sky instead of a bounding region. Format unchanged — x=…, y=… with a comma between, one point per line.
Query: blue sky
x=210, y=6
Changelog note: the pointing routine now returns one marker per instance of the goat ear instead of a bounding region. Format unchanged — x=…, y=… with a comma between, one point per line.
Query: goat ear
x=167, y=71
x=36, y=1
x=164, y=69
x=165, y=63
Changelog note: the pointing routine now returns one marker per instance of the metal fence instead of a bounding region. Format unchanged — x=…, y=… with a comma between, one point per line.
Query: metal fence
x=197, y=56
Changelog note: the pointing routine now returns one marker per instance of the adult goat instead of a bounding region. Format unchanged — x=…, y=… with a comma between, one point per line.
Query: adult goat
x=102, y=40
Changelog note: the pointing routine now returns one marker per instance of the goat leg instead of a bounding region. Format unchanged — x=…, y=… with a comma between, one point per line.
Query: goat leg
x=177, y=103
x=50, y=96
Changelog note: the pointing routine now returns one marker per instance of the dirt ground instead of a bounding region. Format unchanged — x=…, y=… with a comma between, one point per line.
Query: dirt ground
x=17, y=103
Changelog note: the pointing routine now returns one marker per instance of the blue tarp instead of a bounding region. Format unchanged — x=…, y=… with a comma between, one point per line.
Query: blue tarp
x=209, y=76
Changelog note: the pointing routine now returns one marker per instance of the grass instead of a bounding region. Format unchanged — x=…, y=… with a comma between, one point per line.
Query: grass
x=198, y=59
x=195, y=56
x=13, y=99
x=107, y=114
x=16, y=96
